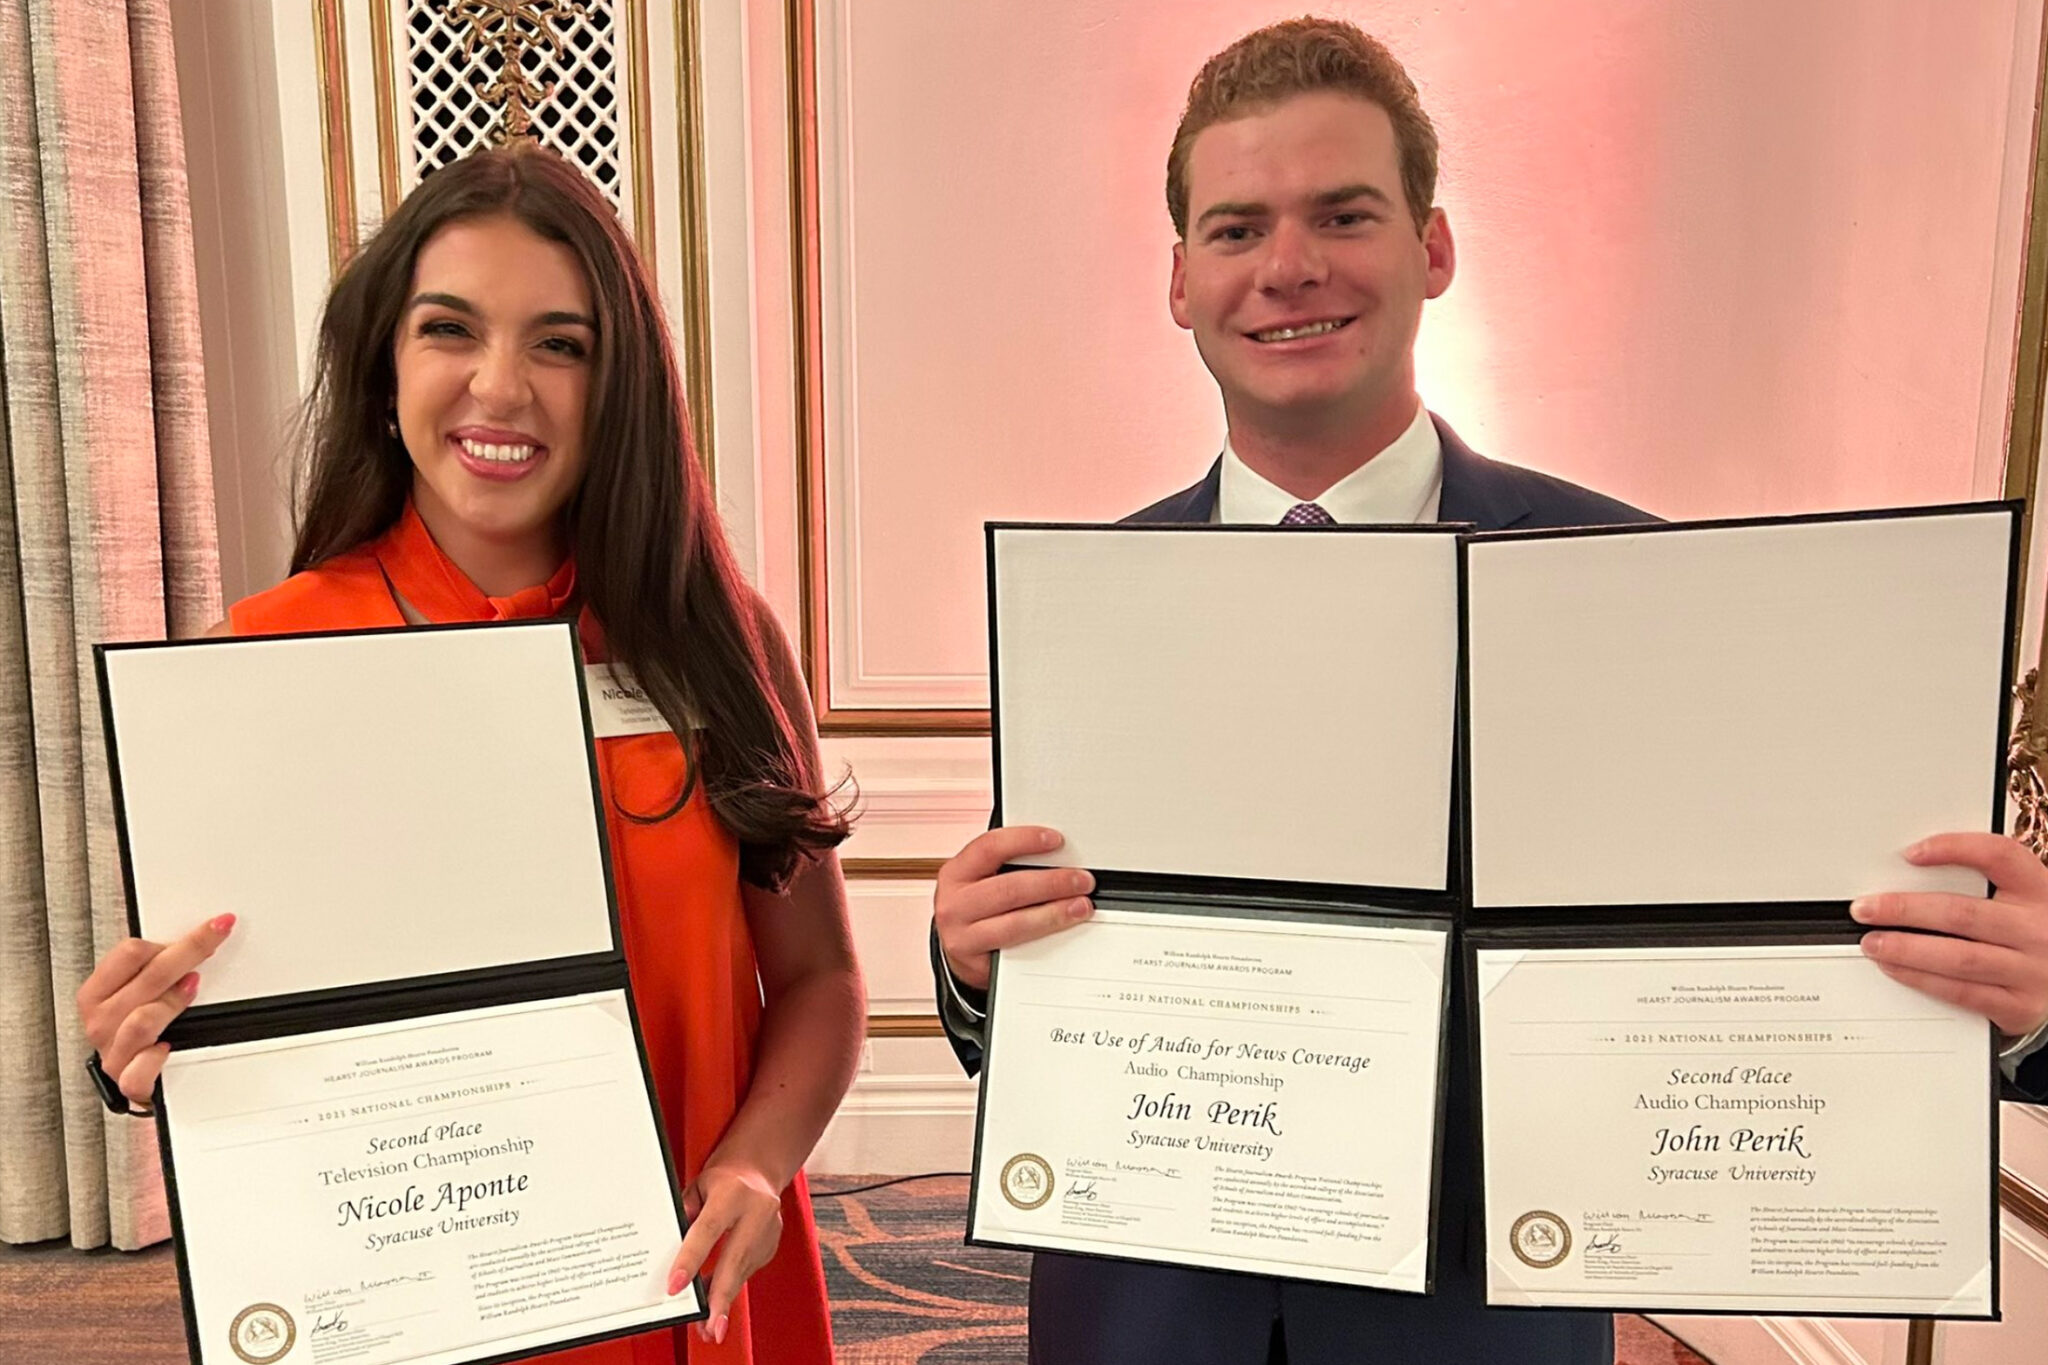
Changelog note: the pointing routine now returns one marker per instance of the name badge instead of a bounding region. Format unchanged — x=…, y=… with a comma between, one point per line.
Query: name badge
x=617, y=705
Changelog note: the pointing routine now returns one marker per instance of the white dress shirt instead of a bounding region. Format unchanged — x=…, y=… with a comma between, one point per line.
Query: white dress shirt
x=1401, y=485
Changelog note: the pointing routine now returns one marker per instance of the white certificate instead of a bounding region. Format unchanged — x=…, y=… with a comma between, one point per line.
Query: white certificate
x=1776, y=1129
x=1254, y=1094
x=1683, y=714
x=427, y=1191
x=457, y=752
x=1114, y=645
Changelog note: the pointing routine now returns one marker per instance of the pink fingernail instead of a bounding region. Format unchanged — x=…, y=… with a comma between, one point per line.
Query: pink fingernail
x=190, y=984
x=718, y=1329
x=220, y=924
x=675, y=1283
x=1862, y=909
x=1049, y=839
x=1079, y=909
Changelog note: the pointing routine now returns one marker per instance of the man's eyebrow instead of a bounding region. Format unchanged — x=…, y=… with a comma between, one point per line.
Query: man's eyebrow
x=1238, y=208
x=456, y=303
x=1324, y=199
x=1345, y=194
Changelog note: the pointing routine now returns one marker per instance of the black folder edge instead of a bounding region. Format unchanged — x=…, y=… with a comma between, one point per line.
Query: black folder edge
x=1725, y=922
x=1196, y=905
x=1168, y=893
x=580, y=975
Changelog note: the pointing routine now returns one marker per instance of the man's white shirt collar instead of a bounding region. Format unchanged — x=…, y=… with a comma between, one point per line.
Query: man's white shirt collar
x=1400, y=485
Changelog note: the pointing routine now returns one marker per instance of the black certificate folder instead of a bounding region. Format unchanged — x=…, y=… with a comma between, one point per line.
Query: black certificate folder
x=410, y=1118
x=1690, y=747
x=1246, y=735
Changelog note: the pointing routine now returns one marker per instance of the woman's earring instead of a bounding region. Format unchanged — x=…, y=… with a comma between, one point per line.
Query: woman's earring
x=391, y=424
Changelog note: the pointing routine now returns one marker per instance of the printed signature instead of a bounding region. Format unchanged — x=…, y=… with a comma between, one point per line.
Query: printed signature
x=1606, y=1241
x=1083, y=1191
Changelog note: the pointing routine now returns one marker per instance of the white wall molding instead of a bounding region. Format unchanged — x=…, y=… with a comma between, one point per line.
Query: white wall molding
x=911, y=1113
x=2020, y=1236
x=890, y=921
x=920, y=797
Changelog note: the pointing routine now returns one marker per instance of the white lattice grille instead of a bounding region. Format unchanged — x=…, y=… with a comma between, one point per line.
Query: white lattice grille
x=579, y=118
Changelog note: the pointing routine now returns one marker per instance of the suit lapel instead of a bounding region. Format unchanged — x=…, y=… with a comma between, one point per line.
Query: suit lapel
x=1472, y=490
x=1193, y=504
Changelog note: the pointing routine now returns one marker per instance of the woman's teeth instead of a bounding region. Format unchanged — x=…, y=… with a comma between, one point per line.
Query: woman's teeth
x=498, y=454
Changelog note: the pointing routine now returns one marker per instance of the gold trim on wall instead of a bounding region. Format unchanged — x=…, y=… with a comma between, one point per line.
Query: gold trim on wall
x=1920, y=1339
x=2024, y=1201
x=905, y=1026
x=800, y=35
x=891, y=869
x=806, y=297
x=2029, y=739
x=387, y=106
x=631, y=16
x=695, y=286
x=389, y=60
x=2030, y=364
x=330, y=59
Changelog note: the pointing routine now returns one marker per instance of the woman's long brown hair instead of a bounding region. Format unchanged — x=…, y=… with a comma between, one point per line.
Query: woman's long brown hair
x=652, y=564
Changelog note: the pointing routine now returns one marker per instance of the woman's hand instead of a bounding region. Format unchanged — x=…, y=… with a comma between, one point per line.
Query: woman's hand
x=736, y=1211
x=132, y=996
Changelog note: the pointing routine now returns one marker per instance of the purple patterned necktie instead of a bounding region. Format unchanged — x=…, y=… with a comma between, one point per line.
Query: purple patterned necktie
x=1307, y=514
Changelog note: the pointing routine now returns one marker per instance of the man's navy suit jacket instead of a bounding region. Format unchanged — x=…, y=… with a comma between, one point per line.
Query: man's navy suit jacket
x=1086, y=1311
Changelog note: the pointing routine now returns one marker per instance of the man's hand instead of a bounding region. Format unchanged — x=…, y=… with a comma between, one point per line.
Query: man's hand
x=1990, y=956
x=978, y=909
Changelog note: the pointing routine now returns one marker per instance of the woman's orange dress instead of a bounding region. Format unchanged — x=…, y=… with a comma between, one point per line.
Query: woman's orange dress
x=685, y=931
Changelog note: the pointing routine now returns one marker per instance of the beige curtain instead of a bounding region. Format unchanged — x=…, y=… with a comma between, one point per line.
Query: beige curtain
x=106, y=533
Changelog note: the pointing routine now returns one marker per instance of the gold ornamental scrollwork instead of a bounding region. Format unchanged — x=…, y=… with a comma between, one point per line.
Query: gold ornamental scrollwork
x=2025, y=759
x=510, y=28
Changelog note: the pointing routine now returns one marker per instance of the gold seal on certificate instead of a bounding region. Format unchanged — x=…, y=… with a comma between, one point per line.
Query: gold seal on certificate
x=1541, y=1239
x=262, y=1332
x=1027, y=1180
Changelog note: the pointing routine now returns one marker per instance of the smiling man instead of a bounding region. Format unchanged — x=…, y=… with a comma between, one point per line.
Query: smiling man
x=1302, y=187
x=1303, y=272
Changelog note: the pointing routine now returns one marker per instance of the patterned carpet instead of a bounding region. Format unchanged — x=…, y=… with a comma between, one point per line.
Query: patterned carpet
x=906, y=1292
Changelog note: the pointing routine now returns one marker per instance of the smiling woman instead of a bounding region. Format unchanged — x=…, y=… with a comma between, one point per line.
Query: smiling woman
x=497, y=431
x=493, y=376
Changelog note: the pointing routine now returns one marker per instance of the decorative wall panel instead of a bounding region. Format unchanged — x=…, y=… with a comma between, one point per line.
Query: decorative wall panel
x=1743, y=259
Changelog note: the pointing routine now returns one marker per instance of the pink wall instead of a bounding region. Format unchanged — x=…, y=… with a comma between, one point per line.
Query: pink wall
x=1715, y=259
